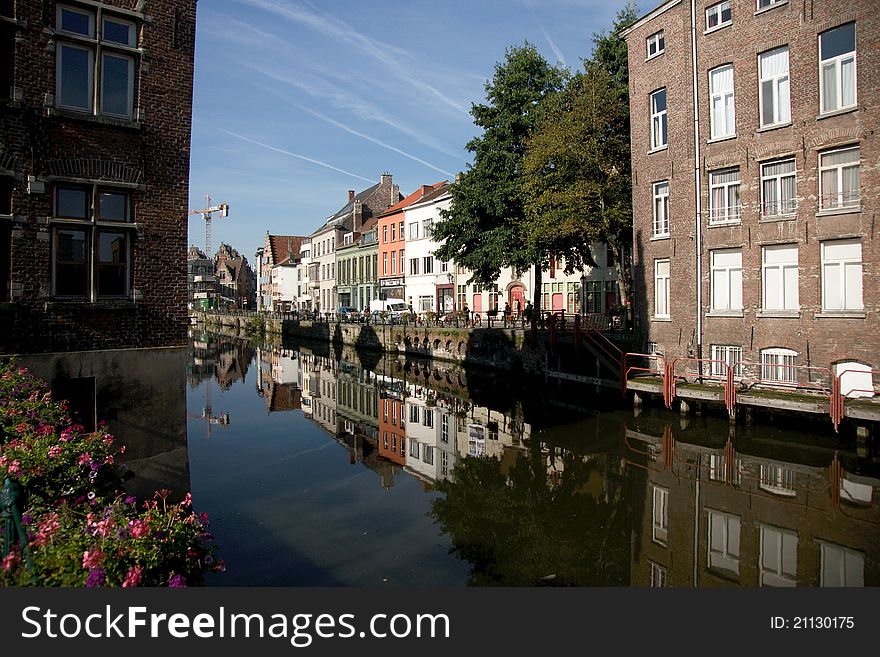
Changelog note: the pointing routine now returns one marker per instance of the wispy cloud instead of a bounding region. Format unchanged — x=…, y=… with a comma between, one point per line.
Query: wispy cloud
x=352, y=131
x=284, y=152
x=319, y=87
x=556, y=51
x=346, y=35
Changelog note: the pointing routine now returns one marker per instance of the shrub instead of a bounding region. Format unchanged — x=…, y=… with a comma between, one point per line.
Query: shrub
x=81, y=528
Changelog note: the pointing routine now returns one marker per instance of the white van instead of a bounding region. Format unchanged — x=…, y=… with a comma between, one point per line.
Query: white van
x=395, y=308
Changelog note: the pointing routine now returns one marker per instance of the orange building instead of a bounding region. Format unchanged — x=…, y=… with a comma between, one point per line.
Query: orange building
x=392, y=426
x=392, y=245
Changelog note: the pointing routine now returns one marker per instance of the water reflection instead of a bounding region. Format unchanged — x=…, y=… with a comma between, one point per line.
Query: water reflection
x=464, y=478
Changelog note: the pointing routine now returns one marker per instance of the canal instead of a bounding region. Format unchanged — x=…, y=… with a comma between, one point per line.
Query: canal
x=323, y=466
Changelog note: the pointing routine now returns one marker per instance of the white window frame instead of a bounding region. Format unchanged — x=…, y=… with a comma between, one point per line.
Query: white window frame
x=725, y=558
x=726, y=279
x=841, y=199
x=838, y=62
x=764, y=4
x=844, y=264
x=414, y=230
x=722, y=105
x=776, y=273
x=658, y=576
x=660, y=515
x=655, y=40
x=777, y=479
x=783, y=208
x=719, y=11
x=780, y=81
x=849, y=575
x=428, y=264
x=413, y=266
x=660, y=191
x=661, y=289
x=659, y=120
x=782, y=574
x=731, y=211
x=778, y=366
x=730, y=355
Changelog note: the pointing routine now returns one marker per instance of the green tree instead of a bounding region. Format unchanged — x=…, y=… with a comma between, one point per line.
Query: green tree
x=576, y=172
x=485, y=228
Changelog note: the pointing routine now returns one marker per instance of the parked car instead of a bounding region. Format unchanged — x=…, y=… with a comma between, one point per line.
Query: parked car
x=348, y=314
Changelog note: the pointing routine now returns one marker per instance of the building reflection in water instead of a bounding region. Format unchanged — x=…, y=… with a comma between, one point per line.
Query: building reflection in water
x=529, y=492
x=141, y=394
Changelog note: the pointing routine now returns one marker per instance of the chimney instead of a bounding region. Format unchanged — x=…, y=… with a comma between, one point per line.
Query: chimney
x=358, y=219
x=425, y=190
x=385, y=179
x=350, y=195
x=395, y=193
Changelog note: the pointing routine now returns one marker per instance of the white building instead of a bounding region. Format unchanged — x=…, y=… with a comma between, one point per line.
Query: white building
x=303, y=276
x=430, y=432
x=430, y=282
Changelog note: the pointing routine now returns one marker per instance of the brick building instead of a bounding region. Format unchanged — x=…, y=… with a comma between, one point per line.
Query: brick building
x=95, y=117
x=775, y=260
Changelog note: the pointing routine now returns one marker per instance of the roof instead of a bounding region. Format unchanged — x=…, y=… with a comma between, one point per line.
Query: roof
x=409, y=200
x=440, y=190
x=669, y=4
x=282, y=246
x=339, y=217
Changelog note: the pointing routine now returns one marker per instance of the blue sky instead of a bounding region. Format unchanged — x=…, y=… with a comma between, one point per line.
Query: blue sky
x=295, y=103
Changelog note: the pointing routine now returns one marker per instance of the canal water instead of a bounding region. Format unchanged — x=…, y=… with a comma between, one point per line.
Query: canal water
x=324, y=466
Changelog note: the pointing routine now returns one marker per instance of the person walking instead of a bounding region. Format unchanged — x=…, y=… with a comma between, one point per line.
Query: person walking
x=507, y=318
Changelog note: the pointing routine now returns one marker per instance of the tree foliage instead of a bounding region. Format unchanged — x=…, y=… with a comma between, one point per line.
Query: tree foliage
x=484, y=229
x=576, y=174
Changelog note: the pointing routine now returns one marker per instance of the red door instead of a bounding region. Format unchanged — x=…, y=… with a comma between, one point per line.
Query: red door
x=478, y=303
x=516, y=294
x=558, y=302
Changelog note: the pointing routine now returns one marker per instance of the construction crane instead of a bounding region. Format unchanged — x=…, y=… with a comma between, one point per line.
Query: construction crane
x=207, y=214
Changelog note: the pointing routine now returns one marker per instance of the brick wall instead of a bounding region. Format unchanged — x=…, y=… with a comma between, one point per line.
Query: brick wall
x=819, y=338
x=147, y=156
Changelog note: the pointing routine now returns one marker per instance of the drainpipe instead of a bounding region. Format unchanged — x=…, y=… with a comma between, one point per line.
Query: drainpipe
x=698, y=186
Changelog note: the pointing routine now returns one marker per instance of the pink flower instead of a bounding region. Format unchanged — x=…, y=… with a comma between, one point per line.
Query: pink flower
x=138, y=528
x=10, y=561
x=187, y=501
x=54, y=451
x=132, y=577
x=109, y=459
x=108, y=439
x=92, y=559
x=46, y=529
x=14, y=467
x=85, y=459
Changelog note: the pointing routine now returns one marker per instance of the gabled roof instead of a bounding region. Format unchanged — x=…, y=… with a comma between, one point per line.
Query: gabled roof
x=440, y=189
x=417, y=195
x=282, y=245
x=338, y=218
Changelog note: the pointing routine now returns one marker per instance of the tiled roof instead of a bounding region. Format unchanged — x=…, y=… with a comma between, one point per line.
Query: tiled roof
x=282, y=245
x=409, y=200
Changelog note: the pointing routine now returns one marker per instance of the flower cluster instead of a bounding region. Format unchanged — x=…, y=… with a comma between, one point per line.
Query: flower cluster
x=82, y=530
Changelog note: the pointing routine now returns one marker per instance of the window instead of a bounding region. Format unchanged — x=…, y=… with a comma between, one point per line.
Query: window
x=429, y=455
x=779, y=275
x=573, y=298
x=726, y=279
x=778, y=557
x=414, y=266
x=718, y=466
x=778, y=188
x=444, y=428
x=427, y=227
x=384, y=234
x=658, y=576
x=658, y=119
x=724, y=531
x=728, y=355
x=414, y=449
x=393, y=232
x=775, y=98
x=660, y=515
x=414, y=230
x=718, y=15
x=7, y=51
x=837, y=68
x=656, y=44
x=661, y=288
x=91, y=254
x=841, y=566
x=724, y=201
x=444, y=463
x=429, y=418
x=385, y=263
x=842, y=275
x=779, y=366
x=722, y=109
x=461, y=296
x=839, y=179
x=769, y=3
x=777, y=479
x=426, y=304
x=428, y=264
x=394, y=262
x=661, y=209
x=402, y=234
x=106, y=57
x=401, y=260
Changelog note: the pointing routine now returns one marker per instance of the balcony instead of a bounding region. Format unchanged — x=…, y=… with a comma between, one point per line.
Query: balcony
x=205, y=278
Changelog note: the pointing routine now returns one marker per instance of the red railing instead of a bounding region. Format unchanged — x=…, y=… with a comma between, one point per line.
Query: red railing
x=701, y=375
x=662, y=372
